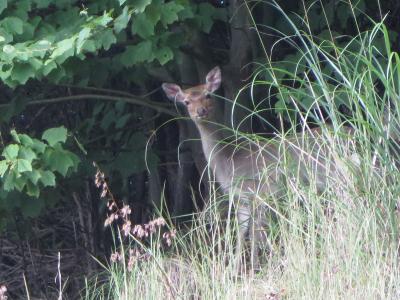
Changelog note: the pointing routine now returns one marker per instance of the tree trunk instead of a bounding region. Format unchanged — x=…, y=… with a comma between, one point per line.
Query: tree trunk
x=236, y=71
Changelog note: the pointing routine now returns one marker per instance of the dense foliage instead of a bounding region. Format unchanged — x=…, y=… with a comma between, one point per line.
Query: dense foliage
x=50, y=39
x=87, y=44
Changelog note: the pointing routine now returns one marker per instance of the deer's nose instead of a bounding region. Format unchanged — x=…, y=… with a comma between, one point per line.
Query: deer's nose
x=202, y=111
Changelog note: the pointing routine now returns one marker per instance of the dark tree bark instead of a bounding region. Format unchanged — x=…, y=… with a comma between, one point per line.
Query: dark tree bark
x=237, y=70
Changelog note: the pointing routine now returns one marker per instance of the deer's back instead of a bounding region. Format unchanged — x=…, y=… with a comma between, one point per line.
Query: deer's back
x=309, y=156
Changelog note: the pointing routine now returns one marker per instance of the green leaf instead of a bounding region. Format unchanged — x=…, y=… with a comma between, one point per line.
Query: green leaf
x=22, y=72
x=36, y=63
x=24, y=6
x=75, y=159
x=41, y=47
x=106, y=39
x=89, y=46
x=27, y=153
x=49, y=66
x=128, y=163
x=121, y=2
x=153, y=13
x=19, y=182
x=60, y=161
x=6, y=36
x=205, y=15
x=330, y=12
x=3, y=5
x=3, y=167
x=83, y=35
x=55, y=135
x=120, y=106
x=15, y=136
x=10, y=52
x=122, y=20
x=23, y=165
x=9, y=181
x=139, y=53
x=47, y=178
x=280, y=106
x=103, y=20
x=25, y=139
x=8, y=49
x=121, y=122
x=108, y=119
x=360, y=8
x=38, y=146
x=11, y=151
x=307, y=101
x=186, y=13
x=140, y=5
x=143, y=26
x=98, y=108
x=28, y=30
x=58, y=74
x=43, y=3
x=13, y=25
x=137, y=141
x=33, y=191
x=169, y=13
x=64, y=49
x=16, y=106
x=344, y=15
x=22, y=53
x=33, y=176
x=164, y=55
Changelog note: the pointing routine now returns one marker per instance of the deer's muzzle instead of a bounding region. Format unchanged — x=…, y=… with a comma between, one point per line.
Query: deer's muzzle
x=202, y=112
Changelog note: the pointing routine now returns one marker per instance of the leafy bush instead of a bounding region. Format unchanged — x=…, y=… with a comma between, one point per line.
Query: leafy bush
x=50, y=39
x=30, y=165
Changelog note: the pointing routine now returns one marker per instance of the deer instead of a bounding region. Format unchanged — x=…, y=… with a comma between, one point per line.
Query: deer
x=251, y=172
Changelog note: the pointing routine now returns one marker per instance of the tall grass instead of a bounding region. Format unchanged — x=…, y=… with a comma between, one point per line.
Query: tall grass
x=341, y=244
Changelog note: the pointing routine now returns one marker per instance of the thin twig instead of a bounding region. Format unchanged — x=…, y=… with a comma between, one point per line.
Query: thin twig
x=26, y=287
x=58, y=277
x=116, y=92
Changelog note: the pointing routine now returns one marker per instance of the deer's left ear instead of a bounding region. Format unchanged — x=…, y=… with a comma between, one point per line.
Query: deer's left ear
x=173, y=92
x=213, y=80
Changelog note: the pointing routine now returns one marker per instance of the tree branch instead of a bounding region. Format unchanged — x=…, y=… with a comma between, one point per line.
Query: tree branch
x=136, y=101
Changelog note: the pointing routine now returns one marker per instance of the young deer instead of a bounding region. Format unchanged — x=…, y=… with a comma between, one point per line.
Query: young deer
x=253, y=172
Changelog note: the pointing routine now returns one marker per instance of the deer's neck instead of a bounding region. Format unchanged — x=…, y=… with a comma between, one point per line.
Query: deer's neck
x=219, y=154
x=211, y=135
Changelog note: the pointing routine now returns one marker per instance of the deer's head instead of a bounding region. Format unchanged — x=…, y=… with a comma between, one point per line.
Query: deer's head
x=197, y=99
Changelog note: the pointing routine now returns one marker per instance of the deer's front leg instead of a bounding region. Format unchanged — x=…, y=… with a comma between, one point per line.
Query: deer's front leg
x=243, y=216
x=255, y=235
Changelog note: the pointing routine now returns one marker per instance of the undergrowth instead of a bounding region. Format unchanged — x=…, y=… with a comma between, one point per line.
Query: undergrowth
x=342, y=243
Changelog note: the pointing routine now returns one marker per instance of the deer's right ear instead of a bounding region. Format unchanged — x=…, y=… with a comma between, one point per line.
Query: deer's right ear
x=213, y=80
x=173, y=91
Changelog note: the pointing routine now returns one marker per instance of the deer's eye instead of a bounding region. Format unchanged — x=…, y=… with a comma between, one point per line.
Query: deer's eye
x=208, y=96
x=186, y=102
